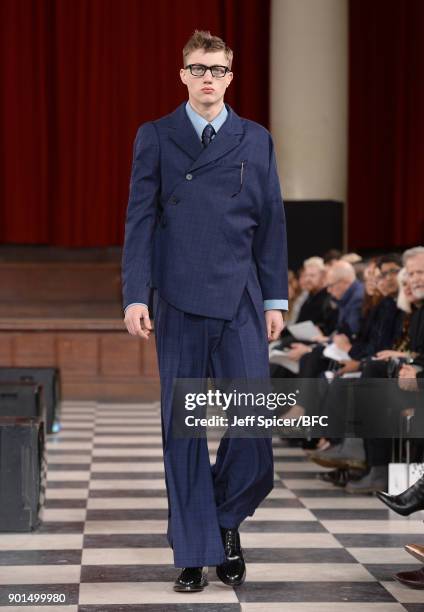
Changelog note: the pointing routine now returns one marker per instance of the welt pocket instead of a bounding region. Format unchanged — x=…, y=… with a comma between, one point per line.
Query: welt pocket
x=231, y=164
x=231, y=174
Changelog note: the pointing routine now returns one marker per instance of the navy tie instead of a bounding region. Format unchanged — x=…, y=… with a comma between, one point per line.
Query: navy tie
x=207, y=134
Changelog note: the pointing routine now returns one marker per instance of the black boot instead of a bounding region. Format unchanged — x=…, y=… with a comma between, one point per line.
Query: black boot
x=233, y=570
x=191, y=579
x=407, y=502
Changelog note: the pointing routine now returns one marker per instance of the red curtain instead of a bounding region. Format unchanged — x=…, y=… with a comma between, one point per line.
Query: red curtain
x=386, y=124
x=78, y=77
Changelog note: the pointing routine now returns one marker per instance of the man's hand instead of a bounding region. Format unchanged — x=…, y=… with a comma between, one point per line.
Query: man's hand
x=348, y=366
x=389, y=354
x=274, y=324
x=137, y=321
x=408, y=378
x=320, y=338
x=297, y=350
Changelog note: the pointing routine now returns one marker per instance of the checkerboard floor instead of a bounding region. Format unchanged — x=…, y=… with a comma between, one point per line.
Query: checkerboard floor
x=309, y=547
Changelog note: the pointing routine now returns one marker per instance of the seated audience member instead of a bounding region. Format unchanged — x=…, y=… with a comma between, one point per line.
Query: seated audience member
x=381, y=316
x=412, y=379
x=348, y=293
x=297, y=296
x=380, y=326
x=317, y=307
x=409, y=344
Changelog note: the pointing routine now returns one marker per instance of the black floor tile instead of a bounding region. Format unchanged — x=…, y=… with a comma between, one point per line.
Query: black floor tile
x=145, y=540
x=97, y=493
x=40, y=557
x=127, y=515
x=313, y=591
x=282, y=527
x=297, y=555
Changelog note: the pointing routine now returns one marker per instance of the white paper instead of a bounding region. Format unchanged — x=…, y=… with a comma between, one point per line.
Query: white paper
x=305, y=331
x=352, y=375
x=280, y=358
x=333, y=352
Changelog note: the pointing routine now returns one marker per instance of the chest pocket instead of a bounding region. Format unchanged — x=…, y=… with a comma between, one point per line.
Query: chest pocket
x=231, y=176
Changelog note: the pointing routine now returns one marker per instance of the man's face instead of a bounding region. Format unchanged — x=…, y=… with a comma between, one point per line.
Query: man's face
x=206, y=90
x=389, y=283
x=415, y=270
x=336, y=288
x=314, y=278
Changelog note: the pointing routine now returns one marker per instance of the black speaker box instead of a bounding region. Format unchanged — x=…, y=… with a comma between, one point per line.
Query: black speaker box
x=22, y=473
x=49, y=378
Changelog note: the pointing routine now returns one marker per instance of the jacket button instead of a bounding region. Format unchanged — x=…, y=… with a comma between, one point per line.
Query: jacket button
x=189, y=177
x=174, y=200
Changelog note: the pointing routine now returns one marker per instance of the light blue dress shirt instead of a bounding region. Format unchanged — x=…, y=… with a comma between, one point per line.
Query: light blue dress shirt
x=199, y=123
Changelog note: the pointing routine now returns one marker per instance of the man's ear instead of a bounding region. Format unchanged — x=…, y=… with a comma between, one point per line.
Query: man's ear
x=183, y=76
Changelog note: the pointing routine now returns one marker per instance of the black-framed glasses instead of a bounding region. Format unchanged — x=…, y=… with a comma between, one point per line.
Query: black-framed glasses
x=390, y=272
x=199, y=70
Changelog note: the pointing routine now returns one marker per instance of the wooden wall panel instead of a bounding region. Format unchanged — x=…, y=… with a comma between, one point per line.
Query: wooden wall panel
x=78, y=354
x=34, y=349
x=6, y=349
x=97, y=365
x=120, y=355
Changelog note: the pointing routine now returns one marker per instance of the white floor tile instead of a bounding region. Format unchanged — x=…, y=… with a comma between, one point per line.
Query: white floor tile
x=107, y=485
x=39, y=574
x=151, y=593
x=127, y=556
x=40, y=541
x=390, y=526
x=305, y=572
x=382, y=555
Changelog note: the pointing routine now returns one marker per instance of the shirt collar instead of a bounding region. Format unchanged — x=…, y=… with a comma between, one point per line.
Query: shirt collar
x=200, y=122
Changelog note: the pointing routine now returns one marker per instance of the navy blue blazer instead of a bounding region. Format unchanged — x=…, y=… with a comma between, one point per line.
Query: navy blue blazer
x=204, y=223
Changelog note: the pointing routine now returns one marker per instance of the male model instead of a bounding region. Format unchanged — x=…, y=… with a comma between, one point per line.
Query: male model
x=205, y=229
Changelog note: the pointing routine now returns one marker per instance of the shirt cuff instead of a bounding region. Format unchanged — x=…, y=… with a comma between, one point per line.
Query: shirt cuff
x=276, y=305
x=134, y=304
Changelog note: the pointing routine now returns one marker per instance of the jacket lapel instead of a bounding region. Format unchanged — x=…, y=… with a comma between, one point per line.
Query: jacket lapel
x=182, y=132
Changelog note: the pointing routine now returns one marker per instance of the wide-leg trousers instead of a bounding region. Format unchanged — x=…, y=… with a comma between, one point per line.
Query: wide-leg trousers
x=202, y=498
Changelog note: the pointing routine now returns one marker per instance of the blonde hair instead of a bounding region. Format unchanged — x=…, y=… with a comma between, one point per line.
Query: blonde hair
x=317, y=262
x=203, y=39
x=352, y=258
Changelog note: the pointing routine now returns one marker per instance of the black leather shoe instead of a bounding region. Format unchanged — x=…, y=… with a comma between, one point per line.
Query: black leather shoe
x=407, y=502
x=233, y=570
x=337, y=477
x=191, y=579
